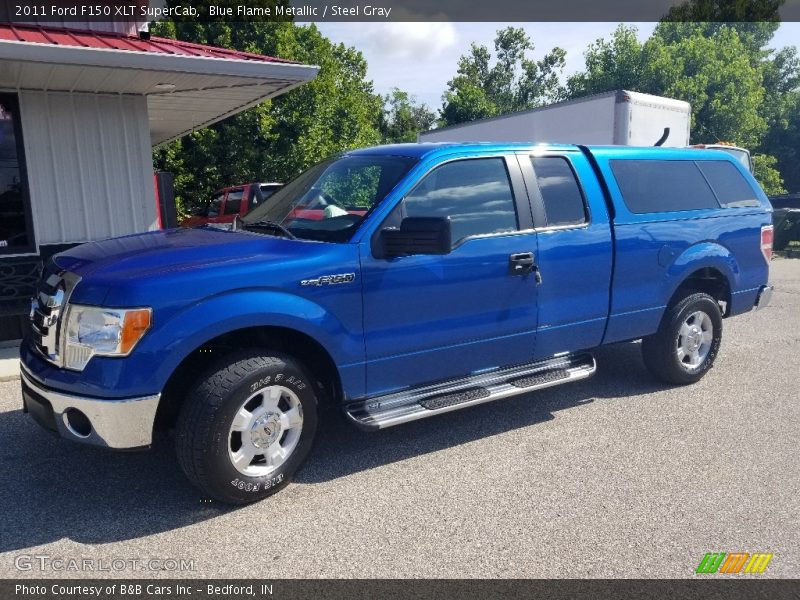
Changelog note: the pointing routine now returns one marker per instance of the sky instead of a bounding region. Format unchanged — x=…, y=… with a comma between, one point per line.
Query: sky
x=421, y=58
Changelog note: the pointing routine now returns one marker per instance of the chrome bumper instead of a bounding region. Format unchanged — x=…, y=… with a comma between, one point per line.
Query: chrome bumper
x=764, y=296
x=120, y=424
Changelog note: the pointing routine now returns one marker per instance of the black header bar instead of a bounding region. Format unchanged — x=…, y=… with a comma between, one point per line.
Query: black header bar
x=56, y=11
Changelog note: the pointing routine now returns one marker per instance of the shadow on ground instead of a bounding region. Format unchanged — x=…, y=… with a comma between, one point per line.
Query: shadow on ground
x=54, y=489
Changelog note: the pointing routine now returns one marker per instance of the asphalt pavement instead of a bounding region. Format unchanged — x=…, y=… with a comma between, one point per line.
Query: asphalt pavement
x=617, y=476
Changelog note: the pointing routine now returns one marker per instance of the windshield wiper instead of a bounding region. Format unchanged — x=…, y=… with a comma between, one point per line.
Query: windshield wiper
x=273, y=225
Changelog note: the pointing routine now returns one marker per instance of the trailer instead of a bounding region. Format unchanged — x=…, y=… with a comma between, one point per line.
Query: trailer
x=619, y=117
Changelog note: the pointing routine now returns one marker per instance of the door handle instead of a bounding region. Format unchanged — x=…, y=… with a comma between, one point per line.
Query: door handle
x=521, y=263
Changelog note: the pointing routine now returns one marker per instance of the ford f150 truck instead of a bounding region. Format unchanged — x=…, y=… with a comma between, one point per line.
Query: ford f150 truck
x=477, y=272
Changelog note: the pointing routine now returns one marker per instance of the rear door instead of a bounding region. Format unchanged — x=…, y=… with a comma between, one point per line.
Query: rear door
x=575, y=250
x=433, y=317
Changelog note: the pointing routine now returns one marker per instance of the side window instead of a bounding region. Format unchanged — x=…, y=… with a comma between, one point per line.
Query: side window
x=563, y=200
x=234, y=203
x=215, y=205
x=474, y=193
x=729, y=185
x=651, y=186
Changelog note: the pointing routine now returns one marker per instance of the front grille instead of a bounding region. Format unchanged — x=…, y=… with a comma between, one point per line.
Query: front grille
x=48, y=307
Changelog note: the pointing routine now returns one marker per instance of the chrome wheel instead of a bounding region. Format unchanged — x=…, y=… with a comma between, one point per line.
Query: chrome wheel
x=694, y=341
x=265, y=431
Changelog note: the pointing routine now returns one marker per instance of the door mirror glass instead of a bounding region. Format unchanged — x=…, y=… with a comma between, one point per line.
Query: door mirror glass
x=417, y=235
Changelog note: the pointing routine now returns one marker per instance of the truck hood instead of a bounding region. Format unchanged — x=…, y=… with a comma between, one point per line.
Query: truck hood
x=184, y=264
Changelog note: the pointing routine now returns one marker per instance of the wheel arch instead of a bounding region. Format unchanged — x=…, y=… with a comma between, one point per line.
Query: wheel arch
x=280, y=339
x=708, y=267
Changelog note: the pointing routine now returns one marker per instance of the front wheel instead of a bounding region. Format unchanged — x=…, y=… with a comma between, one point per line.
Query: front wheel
x=247, y=426
x=687, y=341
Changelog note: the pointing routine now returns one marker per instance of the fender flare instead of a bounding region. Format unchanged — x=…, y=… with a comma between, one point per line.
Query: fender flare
x=706, y=254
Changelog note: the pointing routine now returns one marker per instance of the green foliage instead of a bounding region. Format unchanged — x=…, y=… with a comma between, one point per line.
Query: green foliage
x=754, y=20
x=619, y=63
x=767, y=175
x=714, y=74
x=740, y=91
x=277, y=139
x=356, y=189
x=514, y=82
x=404, y=118
x=782, y=110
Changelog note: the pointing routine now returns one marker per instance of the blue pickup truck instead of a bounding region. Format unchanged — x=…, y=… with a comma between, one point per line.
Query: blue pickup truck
x=397, y=283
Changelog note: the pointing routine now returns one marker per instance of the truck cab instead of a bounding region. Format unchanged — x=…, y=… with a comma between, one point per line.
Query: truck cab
x=432, y=277
x=225, y=204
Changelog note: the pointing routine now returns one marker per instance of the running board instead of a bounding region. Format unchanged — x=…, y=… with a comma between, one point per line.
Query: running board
x=381, y=412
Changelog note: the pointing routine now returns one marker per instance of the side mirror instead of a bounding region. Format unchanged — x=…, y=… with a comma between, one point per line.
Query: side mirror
x=417, y=235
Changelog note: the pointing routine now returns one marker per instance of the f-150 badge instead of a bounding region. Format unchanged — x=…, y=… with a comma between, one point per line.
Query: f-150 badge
x=330, y=279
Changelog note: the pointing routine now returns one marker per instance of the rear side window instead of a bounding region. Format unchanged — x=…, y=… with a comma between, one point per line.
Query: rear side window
x=215, y=205
x=728, y=184
x=651, y=186
x=234, y=203
x=475, y=194
x=563, y=201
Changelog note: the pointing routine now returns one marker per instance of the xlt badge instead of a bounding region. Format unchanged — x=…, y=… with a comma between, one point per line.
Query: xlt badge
x=330, y=279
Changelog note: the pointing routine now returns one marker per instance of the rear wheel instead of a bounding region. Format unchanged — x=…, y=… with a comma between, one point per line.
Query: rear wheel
x=247, y=427
x=687, y=341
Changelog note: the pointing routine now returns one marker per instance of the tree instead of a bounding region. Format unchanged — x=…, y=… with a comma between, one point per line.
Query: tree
x=514, y=82
x=616, y=64
x=404, y=118
x=782, y=111
x=754, y=20
x=713, y=74
x=767, y=175
x=277, y=139
x=729, y=85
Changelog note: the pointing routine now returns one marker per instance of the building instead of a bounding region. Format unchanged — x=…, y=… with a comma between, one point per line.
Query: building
x=80, y=111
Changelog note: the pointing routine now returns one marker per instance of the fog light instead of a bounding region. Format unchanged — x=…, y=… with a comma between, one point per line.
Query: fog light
x=77, y=422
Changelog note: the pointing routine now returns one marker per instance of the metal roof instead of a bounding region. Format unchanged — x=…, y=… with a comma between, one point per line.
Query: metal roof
x=37, y=34
x=188, y=86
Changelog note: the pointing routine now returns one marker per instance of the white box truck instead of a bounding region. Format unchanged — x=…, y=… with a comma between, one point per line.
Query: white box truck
x=619, y=117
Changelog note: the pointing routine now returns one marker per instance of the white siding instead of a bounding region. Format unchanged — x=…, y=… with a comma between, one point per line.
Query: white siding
x=89, y=165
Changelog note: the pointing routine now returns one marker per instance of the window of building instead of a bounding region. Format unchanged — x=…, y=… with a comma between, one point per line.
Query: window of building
x=561, y=194
x=16, y=226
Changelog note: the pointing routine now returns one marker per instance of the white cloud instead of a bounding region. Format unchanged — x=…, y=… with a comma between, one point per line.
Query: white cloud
x=414, y=41
x=420, y=57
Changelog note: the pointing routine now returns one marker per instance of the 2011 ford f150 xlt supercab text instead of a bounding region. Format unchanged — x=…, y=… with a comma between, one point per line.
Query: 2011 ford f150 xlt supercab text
x=474, y=272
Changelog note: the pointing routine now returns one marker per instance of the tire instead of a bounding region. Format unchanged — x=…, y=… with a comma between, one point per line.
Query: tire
x=687, y=341
x=247, y=427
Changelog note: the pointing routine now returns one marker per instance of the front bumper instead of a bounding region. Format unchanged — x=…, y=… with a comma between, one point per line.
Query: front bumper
x=764, y=296
x=119, y=423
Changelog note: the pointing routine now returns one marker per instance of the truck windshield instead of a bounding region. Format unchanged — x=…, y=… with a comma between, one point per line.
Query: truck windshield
x=330, y=200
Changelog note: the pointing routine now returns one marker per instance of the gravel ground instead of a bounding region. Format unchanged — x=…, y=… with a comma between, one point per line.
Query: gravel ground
x=617, y=476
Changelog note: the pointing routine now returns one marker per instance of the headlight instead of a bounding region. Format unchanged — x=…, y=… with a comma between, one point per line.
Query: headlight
x=103, y=332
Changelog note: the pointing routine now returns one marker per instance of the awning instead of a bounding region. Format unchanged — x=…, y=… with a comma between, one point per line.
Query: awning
x=188, y=86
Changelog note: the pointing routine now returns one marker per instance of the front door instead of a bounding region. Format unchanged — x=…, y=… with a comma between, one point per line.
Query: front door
x=433, y=317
